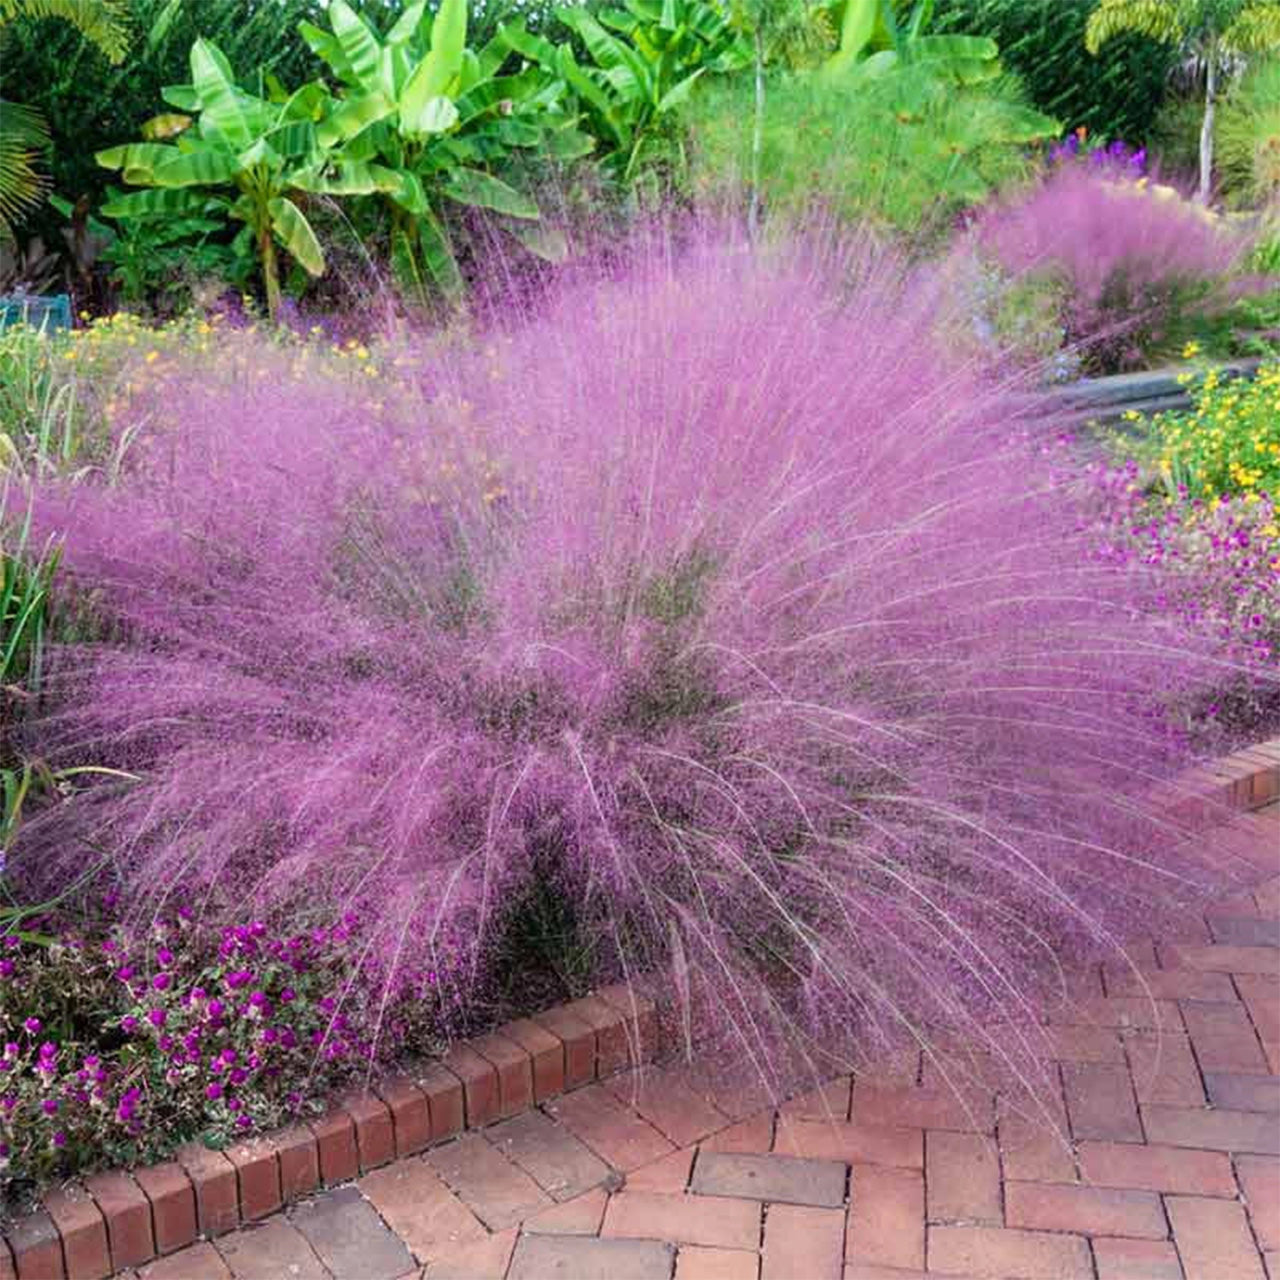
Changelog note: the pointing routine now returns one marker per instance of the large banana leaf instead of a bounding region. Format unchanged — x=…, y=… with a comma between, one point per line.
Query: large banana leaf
x=348, y=178
x=422, y=252
x=182, y=96
x=359, y=47
x=137, y=161
x=292, y=229
x=352, y=116
x=856, y=29
x=437, y=115
x=204, y=168
x=414, y=21
x=489, y=93
x=483, y=191
x=222, y=106
x=410, y=195
x=440, y=67
x=328, y=48
x=157, y=200
x=542, y=240
x=679, y=92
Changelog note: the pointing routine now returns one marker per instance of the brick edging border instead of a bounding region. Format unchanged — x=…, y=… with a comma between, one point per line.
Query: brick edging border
x=109, y=1221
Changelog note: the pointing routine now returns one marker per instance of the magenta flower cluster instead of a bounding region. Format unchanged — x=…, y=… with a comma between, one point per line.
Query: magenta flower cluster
x=1116, y=157
x=1213, y=566
x=117, y=1049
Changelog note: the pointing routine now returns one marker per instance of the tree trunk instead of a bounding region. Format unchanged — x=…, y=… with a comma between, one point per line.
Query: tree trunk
x=1206, y=127
x=270, y=271
x=757, y=139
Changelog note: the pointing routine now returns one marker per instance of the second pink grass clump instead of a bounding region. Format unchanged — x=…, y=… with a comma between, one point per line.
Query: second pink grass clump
x=1134, y=261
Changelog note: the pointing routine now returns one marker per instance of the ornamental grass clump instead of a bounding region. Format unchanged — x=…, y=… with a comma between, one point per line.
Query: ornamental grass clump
x=1134, y=263
x=709, y=603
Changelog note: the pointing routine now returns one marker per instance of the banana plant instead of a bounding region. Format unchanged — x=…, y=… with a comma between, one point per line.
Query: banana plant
x=874, y=39
x=646, y=60
x=237, y=155
x=433, y=118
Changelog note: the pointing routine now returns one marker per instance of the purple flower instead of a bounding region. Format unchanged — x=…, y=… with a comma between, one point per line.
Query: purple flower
x=32, y=1026
x=213, y=1091
x=161, y=981
x=157, y=1017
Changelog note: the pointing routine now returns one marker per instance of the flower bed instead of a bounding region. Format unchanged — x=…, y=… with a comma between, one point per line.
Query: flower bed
x=1195, y=500
x=641, y=632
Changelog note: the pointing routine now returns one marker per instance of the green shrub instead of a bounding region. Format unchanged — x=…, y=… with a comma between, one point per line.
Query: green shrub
x=90, y=104
x=1249, y=136
x=902, y=151
x=1043, y=42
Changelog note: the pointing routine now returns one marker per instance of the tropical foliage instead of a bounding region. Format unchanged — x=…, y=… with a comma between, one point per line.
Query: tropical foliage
x=1210, y=29
x=426, y=119
x=24, y=133
x=266, y=150
x=646, y=60
x=91, y=103
x=1042, y=41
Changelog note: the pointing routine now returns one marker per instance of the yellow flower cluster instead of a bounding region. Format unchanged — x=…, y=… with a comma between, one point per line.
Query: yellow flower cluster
x=1229, y=442
x=96, y=373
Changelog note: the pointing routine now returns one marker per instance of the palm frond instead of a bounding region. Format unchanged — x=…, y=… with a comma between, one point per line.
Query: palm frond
x=24, y=138
x=104, y=23
x=1256, y=30
x=1160, y=19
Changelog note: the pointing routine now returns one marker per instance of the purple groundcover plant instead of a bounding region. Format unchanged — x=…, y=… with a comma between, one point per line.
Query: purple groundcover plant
x=115, y=1047
x=710, y=600
x=1134, y=262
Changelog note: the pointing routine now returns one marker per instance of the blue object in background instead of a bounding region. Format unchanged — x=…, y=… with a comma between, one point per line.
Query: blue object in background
x=52, y=312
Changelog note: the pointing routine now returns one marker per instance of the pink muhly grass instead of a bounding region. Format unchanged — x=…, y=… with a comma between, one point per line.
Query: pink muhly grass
x=1129, y=257
x=711, y=599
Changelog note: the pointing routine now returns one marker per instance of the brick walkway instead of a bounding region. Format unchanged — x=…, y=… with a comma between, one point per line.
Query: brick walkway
x=1171, y=1171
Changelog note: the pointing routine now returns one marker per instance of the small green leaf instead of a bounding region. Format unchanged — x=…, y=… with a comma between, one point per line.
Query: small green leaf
x=436, y=115
x=168, y=124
